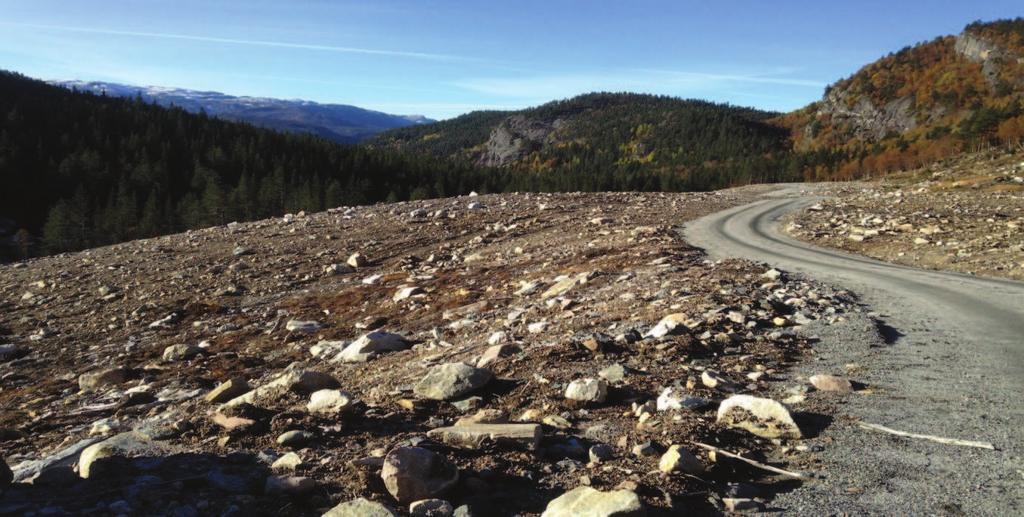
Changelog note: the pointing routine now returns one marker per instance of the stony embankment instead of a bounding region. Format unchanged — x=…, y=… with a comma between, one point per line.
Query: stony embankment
x=967, y=216
x=489, y=355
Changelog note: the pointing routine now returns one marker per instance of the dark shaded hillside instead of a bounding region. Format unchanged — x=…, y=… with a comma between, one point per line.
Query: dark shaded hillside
x=702, y=143
x=920, y=104
x=80, y=170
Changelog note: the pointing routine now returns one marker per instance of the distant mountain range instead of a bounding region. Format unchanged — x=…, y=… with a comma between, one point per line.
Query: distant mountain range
x=338, y=122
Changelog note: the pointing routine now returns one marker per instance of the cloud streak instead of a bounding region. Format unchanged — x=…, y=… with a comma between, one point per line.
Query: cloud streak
x=649, y=81
x=249, y=42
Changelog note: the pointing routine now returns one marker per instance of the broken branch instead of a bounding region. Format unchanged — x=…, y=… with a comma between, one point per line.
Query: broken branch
x=759, y=465
x=939, y=439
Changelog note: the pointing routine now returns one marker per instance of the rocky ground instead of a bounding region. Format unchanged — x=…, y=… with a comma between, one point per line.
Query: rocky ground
x=486, y=355
x=966, y=215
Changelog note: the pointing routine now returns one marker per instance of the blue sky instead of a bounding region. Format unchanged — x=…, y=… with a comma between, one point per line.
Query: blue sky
x=443, y=58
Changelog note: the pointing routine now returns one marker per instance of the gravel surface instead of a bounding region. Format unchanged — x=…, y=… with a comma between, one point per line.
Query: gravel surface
x=950, y=365
x=205, y=367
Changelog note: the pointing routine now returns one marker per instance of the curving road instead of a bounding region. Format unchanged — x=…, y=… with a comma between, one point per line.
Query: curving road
x=953, y=367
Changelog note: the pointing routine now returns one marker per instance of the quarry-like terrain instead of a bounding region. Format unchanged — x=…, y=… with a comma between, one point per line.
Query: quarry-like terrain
x=966, y=215
x=165, y=376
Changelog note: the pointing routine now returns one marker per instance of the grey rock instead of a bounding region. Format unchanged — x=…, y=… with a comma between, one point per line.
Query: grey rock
x=180, y=352
x=615, y=373
x=360, y=508
x=451, y=381
x=414, y=473
x=295, y=438
x=371, y=345
x=523, y=436
x=825, y=382
x=431, y=508
x=30, y=471
x=113, y=454
x=590, y=502
x=92, y=381
x=676, y=398
x=294, y=379
x=587, y=390
x=302, y=326
x=290, y=485
x=645, y=449
x=228, y=390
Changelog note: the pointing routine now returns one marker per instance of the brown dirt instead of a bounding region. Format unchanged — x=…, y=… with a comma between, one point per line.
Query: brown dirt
x=641, y=271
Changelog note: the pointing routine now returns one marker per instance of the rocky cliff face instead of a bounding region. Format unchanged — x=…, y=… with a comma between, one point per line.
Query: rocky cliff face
x=855, y=109
x=980, y=50
x=515, y=138
x=865, y=120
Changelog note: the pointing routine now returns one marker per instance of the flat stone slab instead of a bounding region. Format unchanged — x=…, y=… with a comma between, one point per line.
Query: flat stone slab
x=522, y=436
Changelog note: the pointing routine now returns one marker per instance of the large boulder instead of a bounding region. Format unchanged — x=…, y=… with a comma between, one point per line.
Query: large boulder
x=451, y=381
x=594, y=503
x=763, y=417
x=414, y=473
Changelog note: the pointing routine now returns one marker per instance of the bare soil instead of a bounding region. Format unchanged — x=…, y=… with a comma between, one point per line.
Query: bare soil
x=77, y=313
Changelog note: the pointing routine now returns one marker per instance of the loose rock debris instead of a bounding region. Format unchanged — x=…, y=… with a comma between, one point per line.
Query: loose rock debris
x=536, y=365
x=966, y=215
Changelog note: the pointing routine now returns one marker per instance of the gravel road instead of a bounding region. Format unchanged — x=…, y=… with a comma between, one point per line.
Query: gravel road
x=949, y=361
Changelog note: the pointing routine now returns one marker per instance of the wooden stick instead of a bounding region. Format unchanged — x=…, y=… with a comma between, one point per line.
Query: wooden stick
x=759, y=465
x=948, y=441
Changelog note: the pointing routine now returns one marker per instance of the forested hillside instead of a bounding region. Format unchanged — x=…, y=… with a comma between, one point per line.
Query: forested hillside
x=599, y=135
x=918, y=105
x=80, y=170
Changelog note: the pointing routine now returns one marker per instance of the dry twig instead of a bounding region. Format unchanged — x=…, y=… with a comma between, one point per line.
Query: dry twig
x=757, y=464
x=939, y=439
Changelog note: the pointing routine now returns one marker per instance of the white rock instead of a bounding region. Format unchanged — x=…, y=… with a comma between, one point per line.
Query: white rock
x=675, y=398
x=677, y=459
x=330, y=402
x=671, y=324
x=302, y=326
x=587, y=390
x=763, y=417
x=589, y=502
x=371, y=345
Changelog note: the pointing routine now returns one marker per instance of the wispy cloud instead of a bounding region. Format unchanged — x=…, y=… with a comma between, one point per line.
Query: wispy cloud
x=737, y=78
x=672, y=82
x=250, y=42
x=438, y=110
